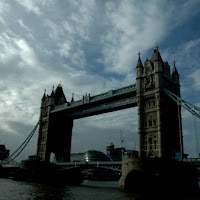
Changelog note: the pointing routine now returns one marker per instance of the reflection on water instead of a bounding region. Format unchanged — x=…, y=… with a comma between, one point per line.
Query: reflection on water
x=88, y=190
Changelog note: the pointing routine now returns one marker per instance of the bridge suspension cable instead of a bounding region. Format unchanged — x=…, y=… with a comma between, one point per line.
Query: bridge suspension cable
x=18, y=151
x=196, y=145
x=188, y=106
x=194, y=110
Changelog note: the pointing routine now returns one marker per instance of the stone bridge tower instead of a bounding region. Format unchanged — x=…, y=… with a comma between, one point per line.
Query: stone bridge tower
x=55, y=130
x=159, y=117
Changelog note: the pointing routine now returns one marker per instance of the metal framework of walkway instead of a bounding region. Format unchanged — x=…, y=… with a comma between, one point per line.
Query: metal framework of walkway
x=106, y=102
x=113, y=165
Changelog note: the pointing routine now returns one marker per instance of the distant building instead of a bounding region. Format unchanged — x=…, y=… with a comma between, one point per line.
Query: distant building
x=115, y=154
x=95, y=173
x=90, y=156
x=131, y=153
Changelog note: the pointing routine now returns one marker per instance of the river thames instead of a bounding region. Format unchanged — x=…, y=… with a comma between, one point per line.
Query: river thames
x=88, y=190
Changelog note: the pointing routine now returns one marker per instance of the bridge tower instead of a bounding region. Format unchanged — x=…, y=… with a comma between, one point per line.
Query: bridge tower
x=159, y=117
x=54, y=131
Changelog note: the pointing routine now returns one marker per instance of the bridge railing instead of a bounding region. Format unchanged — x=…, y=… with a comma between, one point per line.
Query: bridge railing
x=192, y=160
x=96, y=163
x=110, y=93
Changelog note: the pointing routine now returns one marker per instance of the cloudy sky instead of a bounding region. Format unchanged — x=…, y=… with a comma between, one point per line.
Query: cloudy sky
x=91, y=46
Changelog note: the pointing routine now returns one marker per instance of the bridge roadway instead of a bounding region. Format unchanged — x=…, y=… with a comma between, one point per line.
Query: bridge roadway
x=113, y=165
x=192, y=160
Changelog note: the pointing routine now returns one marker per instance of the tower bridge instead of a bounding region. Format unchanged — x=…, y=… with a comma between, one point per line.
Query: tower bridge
x=157, y=96
x=159, y=117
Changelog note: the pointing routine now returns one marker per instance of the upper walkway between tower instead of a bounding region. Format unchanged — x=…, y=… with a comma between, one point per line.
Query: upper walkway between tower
x=125, y=91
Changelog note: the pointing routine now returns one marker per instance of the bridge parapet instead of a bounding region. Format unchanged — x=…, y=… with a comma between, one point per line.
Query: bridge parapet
x=112, y=165
x=96, y=163
x=110, y=93
x=195, y=161
x=75, y=103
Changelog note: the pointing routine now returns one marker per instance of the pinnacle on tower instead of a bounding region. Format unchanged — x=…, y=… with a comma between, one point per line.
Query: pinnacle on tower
x=72, y=100
x=59, y=85
x=44, y=96
x=139, y=63
x=156, y=47
x=175, y=72
x=156, y=55
x=59, y=95
x=52, y=93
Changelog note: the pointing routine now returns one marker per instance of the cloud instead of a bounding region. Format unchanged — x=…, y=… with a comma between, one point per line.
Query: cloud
x=4, y=9
x=30, y=6
x=186, y=56
x=133, y=29
x=21, y=23
x=137, y=28
x=26, y=54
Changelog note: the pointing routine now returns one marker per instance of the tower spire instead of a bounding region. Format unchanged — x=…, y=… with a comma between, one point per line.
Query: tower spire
x=52, y=93
x=175, y=72
x=72, y=100
x=44, y=96
x=60, y=85
x=156, y=47
x=139, y=63
x=156, y=54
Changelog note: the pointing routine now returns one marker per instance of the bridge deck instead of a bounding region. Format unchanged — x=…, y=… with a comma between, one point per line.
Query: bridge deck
x=97, y=163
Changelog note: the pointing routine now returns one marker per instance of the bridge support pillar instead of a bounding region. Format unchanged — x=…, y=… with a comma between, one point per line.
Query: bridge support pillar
x=151, y=174
x=60, y=137
x=129, y=165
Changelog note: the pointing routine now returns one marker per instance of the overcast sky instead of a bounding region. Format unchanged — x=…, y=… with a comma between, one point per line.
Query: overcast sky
x=91, y=46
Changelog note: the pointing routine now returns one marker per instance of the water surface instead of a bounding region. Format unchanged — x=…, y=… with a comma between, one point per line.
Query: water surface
x=88, y=190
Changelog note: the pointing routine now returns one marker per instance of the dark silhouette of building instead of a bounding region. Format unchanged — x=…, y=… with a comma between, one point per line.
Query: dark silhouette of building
x=55, y=131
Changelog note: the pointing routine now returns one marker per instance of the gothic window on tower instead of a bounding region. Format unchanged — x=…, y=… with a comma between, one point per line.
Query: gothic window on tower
x=147, y=80
x=154, y=122
x=145, y=123
x=145, y=146
x=155, y=144
x=152, y=78
x=44, y=112
x=150, y=122
x=150, y=143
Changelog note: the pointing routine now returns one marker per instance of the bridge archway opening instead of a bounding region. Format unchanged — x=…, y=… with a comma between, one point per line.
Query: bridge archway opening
x=98, y=132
